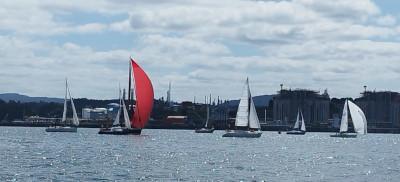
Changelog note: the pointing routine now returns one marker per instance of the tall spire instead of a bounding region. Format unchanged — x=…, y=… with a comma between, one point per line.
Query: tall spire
x=169, y=94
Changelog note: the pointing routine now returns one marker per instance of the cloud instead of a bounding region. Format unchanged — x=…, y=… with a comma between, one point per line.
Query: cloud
x=201, y=46
x=387, y=20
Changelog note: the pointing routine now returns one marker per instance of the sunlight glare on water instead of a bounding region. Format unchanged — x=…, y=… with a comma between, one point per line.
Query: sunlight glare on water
x=31, y=154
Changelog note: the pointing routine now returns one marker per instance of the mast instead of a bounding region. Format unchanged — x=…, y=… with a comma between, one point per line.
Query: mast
x=129, y=88
x=249, y=102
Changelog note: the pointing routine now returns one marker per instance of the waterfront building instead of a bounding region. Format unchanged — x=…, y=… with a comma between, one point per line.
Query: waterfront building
x=315, y=107
x=94, y=114
x=382, y=109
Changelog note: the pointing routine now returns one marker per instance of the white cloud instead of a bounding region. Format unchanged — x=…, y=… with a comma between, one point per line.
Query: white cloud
x=201, y=46
x=387, y=20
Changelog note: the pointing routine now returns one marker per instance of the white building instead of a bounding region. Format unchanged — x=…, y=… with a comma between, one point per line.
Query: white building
x=96, y=113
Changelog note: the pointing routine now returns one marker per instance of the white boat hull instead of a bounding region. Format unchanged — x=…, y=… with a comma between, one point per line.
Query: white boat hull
x=296, y=132
x=242, y=134
x=61, y=129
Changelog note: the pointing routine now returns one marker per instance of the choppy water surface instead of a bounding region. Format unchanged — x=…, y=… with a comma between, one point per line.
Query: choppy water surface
x=31, y=154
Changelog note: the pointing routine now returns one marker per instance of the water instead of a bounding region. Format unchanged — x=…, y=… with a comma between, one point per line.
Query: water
x=31, y=154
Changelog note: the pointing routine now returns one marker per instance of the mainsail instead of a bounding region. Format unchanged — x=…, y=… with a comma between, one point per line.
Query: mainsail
x=303, y=125
x=297, y=123
x=208, y=116
x=242, y=115
x=126, y=116
x=144, y=96
x=116, y=120
x=64, y=117
x=344, y=121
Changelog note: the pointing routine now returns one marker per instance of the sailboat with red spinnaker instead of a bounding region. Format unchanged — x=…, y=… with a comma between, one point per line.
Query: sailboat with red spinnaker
x=139, y=113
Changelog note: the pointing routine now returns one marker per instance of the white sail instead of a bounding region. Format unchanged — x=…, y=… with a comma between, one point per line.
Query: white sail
x=365, y=123
x=208, y=116
x=357, y=116
x=303, y=125
x=64, y=117
x=344, y=121
x=75, y=119
x=242, y=115
x=126, y=116
x=253, y=118
x=116, y=120
x=297, y=123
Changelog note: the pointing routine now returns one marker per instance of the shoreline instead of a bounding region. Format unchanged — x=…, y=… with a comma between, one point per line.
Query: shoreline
x=187, y=127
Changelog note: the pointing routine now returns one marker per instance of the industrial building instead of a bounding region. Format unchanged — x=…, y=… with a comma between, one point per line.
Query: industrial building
x=382, y=109
x=314, y=106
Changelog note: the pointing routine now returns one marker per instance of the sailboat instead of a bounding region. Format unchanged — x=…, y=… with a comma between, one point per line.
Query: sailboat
x=299, y=127
x=72, y=127
x=205, y=129
x=138, y=114
x=119, y=128
x=358, y=118
x=246, y=122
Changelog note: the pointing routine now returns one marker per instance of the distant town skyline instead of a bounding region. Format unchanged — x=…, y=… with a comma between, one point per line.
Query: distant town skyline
x=201, y=47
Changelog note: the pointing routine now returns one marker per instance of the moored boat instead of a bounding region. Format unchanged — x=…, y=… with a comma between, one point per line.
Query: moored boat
x=246, y=122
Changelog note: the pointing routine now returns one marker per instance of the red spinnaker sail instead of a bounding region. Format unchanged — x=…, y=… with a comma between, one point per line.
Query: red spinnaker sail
x=144, y=96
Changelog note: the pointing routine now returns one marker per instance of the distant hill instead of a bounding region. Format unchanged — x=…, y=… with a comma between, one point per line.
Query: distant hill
x=259, y=101
x=23, y=98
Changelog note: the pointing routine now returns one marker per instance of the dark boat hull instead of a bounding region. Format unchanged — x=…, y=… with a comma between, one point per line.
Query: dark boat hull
x=243, y=134
x=296, y=132
x=204, y=130
x=61, y=129
x=344, y=135
x=125, y=131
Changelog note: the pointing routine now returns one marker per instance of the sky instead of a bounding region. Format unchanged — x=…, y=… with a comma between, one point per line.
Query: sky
x=201, y=46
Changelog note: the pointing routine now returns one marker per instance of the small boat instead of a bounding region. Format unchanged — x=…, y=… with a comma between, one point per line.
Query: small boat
x=205, y=129
x=246, y=122
x=121, y=128
x=75, y=120
x=299, y=127
x=358, y=119
x=135, y=118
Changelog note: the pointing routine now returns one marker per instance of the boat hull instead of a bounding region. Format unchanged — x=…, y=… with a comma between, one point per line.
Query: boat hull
x=296, y=132
x=344, y=135
x=243, y=134
x=125, y=131
x=61, y=129
x=204, y=130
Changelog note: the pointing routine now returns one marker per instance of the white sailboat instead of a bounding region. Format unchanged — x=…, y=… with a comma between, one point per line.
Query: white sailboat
x=205, y=129
x=71, y=127
x=358, y=118
x=118, y=127
x=299, y=126
x=246, y=122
